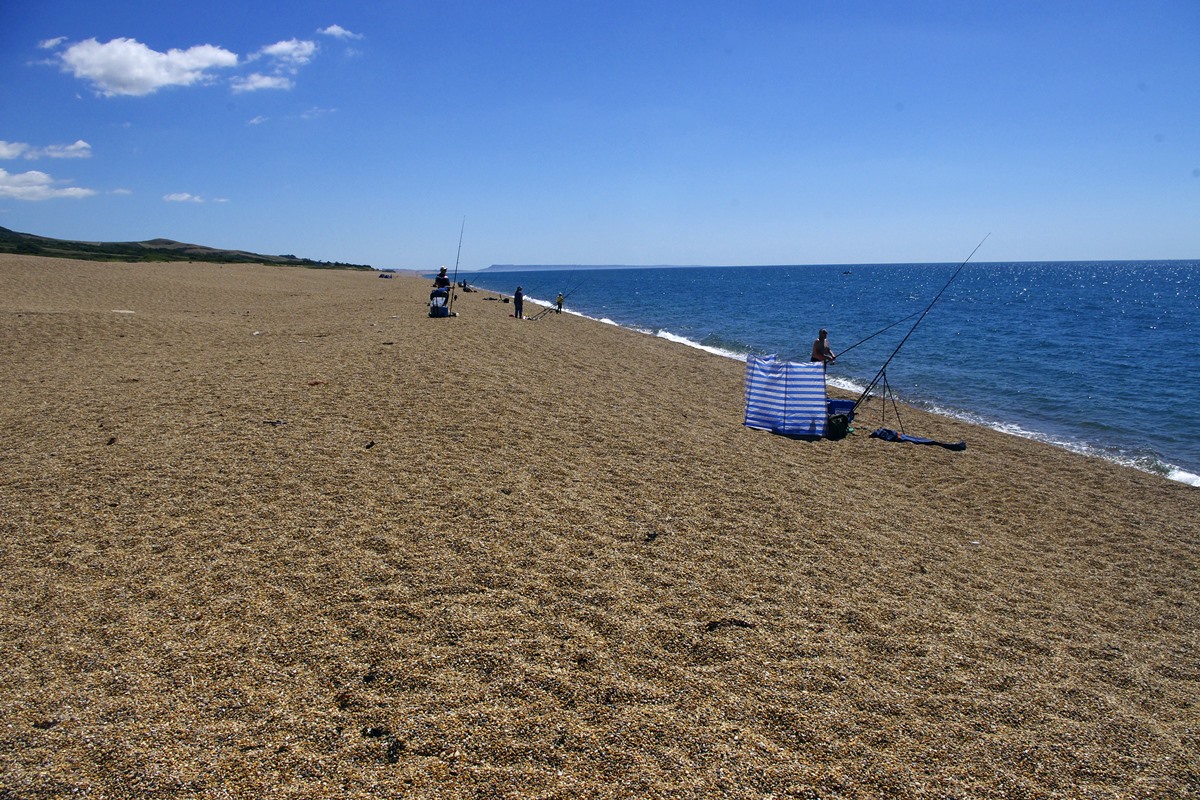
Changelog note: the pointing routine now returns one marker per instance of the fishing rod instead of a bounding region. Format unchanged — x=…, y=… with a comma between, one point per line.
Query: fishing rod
x=883, y=369
x=876, y=333
x=553, y=306
x=454, y=284
x=573, y=289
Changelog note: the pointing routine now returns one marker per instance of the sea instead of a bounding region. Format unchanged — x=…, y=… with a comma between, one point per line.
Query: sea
x=1102, y=358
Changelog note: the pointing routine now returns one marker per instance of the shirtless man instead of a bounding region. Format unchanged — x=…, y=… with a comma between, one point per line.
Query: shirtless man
x=821, y=351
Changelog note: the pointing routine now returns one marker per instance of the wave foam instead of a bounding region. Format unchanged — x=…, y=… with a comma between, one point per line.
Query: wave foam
x=1145, y=463
x=716, y=351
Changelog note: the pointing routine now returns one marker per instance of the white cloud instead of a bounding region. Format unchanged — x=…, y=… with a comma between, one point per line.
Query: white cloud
x=128, y=67
x=259, y=120
x=315, y=113
x=287, y=57
x=12, y=149
x=34, y=185
x=183, y=197
x=338, y=32
x=80, y=149
x=291, y=54
x=256, y=80
x=50, y=44
x=121, y=191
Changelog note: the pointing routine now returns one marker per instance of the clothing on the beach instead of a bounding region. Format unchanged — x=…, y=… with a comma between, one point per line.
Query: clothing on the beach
x=889, y=435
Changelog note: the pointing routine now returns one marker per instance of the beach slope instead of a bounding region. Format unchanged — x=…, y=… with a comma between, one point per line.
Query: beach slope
x=269, y=531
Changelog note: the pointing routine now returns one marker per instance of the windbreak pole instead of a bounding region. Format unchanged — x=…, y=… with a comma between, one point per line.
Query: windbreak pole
x=883, y=370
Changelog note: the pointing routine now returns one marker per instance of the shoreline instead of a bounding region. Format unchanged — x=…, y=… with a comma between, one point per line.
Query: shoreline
x=267, y=530
x=1158, y=466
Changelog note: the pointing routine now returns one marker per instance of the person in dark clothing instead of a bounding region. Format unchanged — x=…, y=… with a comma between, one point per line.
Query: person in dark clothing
x=519, y=303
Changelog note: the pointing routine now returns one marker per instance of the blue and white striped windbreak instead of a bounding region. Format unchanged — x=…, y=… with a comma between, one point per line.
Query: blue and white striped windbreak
x=785, y=397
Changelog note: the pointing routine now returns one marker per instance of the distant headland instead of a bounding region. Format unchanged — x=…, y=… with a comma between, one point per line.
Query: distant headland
x=152, y=250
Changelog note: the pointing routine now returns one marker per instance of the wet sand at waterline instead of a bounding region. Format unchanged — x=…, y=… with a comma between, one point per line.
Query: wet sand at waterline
x=274, y=532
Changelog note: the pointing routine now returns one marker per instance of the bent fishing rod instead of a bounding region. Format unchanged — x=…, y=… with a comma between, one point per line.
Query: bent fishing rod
x=454, y=285
x=883, y=369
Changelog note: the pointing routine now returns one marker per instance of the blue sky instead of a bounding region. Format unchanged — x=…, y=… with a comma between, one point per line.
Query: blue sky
x=584, y=132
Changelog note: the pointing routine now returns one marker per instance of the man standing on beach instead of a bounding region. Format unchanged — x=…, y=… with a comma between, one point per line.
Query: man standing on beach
x=558, y=304
x=519, y=304
x=821, y=351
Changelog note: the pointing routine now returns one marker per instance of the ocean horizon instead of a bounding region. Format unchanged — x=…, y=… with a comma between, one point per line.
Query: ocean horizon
x=1091, y=356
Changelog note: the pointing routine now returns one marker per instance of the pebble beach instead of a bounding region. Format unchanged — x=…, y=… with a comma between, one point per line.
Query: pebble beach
x=274, y=532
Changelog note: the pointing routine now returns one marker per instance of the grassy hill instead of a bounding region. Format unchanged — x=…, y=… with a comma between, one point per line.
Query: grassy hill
x=151, y=250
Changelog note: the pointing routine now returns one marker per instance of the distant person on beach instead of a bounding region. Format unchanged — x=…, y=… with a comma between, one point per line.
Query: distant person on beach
x=821, y=351
x=558, y=304
x=519, y=304
x=442, y=281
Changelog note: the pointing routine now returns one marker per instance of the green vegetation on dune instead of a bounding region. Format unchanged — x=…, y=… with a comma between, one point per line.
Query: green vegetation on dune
x=152, y=250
